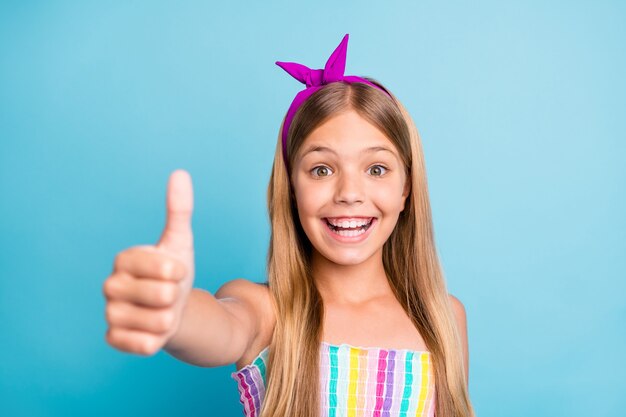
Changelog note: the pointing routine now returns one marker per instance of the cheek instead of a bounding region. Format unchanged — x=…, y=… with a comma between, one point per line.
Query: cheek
x=389, y=198
x=309, y=199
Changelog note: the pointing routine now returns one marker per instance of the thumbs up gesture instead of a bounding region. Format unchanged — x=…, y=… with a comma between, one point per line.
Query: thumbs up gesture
x=148, y=289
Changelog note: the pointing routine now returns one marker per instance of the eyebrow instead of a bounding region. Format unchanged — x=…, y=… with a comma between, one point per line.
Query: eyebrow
x=316, y=148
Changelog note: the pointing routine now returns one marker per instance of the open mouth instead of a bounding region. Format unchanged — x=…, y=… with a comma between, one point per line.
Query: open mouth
x=351, y=228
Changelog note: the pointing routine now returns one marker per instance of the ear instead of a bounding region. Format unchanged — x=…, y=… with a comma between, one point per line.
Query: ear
x=406, y=191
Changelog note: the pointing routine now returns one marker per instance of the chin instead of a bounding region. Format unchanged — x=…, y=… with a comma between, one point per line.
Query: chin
x=346, y=259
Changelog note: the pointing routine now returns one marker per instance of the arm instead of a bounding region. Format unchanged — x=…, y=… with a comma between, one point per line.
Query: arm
x=150, y=303
x=459, y=312
x=218, y=330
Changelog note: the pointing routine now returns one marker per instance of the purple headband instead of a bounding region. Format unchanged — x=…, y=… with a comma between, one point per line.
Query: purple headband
x=316, y=79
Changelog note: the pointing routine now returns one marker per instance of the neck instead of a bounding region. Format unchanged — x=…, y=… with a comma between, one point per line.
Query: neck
x=350, y=284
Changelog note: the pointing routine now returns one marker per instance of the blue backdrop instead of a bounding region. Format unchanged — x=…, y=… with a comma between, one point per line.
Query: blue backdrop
x=521, y=109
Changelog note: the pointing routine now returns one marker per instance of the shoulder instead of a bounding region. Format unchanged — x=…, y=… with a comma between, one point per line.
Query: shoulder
x=461, y=321
x=250, y=302
x=458, y=308
x=255, y=296
x=242, y=288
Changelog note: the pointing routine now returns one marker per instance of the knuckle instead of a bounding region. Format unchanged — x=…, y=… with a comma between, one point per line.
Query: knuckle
x=174, y=292
x=113, y=339
x=166, y=295
x=110, y=313
x=108, y=336
x=170, y=268
x=109, y=287
x=147, y=346
x=165, y=268
x=179, y=270
x=119, y=260
x=165, y=321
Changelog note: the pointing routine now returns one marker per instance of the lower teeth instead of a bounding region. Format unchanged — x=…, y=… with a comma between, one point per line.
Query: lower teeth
x=350, y=233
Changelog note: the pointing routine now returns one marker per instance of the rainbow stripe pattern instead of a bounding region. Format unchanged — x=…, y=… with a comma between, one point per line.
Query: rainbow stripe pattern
x=356, y=382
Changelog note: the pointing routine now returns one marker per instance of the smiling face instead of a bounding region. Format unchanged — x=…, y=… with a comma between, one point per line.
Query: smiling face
x=350, y=187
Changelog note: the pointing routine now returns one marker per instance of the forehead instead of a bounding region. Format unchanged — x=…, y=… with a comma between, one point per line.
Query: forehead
x=347, y=133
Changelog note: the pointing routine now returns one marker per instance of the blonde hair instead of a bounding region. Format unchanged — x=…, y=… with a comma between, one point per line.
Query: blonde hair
x=409, y=257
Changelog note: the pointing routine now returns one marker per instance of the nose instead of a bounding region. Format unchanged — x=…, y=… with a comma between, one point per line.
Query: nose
x=349, y=189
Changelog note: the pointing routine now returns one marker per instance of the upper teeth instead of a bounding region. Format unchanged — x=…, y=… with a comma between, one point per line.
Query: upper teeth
x=348, y=224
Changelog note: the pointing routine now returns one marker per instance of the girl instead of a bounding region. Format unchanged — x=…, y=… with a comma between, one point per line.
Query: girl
x=355, y=318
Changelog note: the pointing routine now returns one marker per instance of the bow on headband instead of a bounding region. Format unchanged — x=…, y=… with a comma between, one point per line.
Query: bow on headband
x=316, y=79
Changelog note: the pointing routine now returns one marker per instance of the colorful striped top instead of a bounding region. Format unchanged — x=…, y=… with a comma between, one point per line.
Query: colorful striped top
x=356, y=382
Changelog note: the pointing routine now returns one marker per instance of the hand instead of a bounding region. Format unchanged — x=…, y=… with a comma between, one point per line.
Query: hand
x=148, y=289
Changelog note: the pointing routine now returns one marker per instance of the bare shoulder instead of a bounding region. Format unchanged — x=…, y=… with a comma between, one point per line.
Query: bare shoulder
x=458, y=307
x=243, y=290
x=250, y=303
x=253, y=296
x=461, y=320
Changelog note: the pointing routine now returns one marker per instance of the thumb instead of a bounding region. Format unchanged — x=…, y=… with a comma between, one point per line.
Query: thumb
x=177, y=235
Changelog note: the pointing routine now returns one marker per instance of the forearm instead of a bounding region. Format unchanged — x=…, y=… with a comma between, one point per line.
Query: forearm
x=205, y=333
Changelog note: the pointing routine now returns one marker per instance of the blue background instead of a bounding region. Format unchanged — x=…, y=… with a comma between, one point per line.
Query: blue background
x=521, y=110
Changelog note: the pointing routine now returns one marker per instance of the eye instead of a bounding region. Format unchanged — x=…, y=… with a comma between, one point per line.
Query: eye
x=378, y=170
x=321, y=171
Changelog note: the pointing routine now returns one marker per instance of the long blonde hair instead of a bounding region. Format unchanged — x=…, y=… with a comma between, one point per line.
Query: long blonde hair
x=409, y=257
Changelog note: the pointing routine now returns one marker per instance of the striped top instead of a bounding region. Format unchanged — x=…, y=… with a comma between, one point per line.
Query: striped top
x=356, y=382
